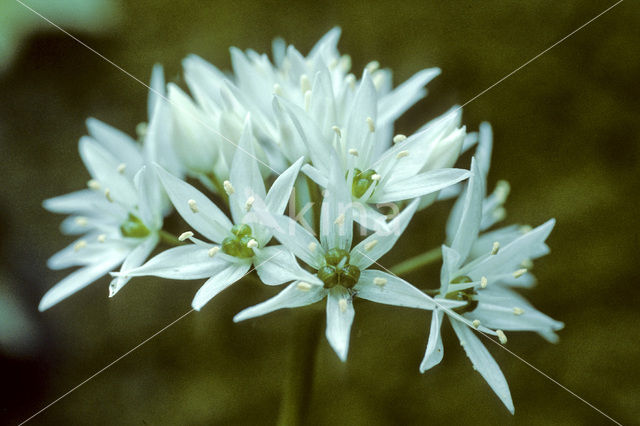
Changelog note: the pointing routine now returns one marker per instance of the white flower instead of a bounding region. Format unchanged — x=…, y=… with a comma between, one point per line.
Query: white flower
x=235, y=246
x=341, y=272
x=121, y=212
x=480, y=275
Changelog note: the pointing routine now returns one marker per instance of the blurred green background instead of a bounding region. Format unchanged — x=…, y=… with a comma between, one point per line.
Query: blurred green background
x=566, y=137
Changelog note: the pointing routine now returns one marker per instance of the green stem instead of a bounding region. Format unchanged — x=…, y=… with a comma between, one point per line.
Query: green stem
x=418, y=261
x=299, y=379
x=169, y=239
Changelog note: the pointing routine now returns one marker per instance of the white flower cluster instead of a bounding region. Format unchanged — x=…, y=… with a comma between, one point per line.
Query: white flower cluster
x=302, y=132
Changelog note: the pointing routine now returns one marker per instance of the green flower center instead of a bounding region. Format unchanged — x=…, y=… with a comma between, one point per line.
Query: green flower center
x=237, y=244
x=362, y=181
x=466, y=295
x=337, y=270
x=134, y=228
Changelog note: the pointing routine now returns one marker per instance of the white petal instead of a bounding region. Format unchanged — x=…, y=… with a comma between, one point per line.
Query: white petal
x=364, y=107
x=118, y=143
x=485, y=145
x=277, y=265
x=379, y=243
x=103, y=166
x=291, y=297
x=157, y=89
x=315, y=175
x=370, y=218
x=77, y=281
x=484, y=363
x=186, y=262
x=134, y=259
x=509, y=258
x=217, y=283
x=468, y=222
x=209, y=220
x=450, y=258
x=394, y=291
x=150, y=198
x=394, y=104
x=435, y=350
x=90, y=253
x=336, y=218
x=280, y=191
x=84, y=201
x=294, y=237
x=326, y=46
x=422, y=184
x=245, y=175
x=340, y=315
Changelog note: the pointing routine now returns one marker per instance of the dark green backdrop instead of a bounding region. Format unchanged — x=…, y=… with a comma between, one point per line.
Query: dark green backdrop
x=566, y=137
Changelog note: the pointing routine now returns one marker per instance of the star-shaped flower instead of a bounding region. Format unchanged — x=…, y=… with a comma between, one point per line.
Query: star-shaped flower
x=234, y=246
x=340, y=272
x=482, y=281
x=121, y=212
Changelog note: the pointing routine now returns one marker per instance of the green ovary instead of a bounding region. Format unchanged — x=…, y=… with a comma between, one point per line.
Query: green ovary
x=466, y=295
x=362, y=181
x=134, y=228
x=237, y=244
x=337, y=270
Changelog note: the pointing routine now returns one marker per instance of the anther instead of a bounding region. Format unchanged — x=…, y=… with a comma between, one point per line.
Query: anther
x=495, y=248
x=193, y=206
x=483, y=282
x=252, y=243
x=249, y=203
x=93, y=184
x=376, y=177
x=339, y=220
x=79, y=245
x=526, y=228
x=519, y=273
x=107, y=195
x=518, y=311
x=185, y=236
x=305, y=83
x=303, y=286
x=527, y=263
x=370, y=245
x=102, y=238
x=277, y=89
x=345, y=62
x=499, y=214
x=372, y=66
x=82, y=221
x=351, y=81
x=502, y=190
x=213, y=251
x=379, y=281
x=402, y=154
x=337, y=130
x=228, y=188
x=343, y=305
x=121, y=168
x=312, y=247
x=353, y=152
x=476, y=323
x=501, y=336
x=399, y=138
x=371, y=124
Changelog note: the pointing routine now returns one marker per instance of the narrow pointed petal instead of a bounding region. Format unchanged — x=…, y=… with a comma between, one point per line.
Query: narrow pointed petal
x=403, y=97
x=91, y=253
x=470, y=214
x=340, y=315
x=291, y=297
x=77, y=280
x=363, y=108
x=134, y=259
x=150, y=197
x=379, y=243
x=381, y=287
x=277, y=265
x=435, y=350
x=217, y=283
x=315, y=175
x=186, y=262
x=208, y=220
x=157, y=89
x=103, y=166
x=484, y=363
x=336, y=218
x=78, y=202
x=280, y=191
x=485, y=146
x=370, y=218
x=416, y=186
x=450, y=258
x=118, y=143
